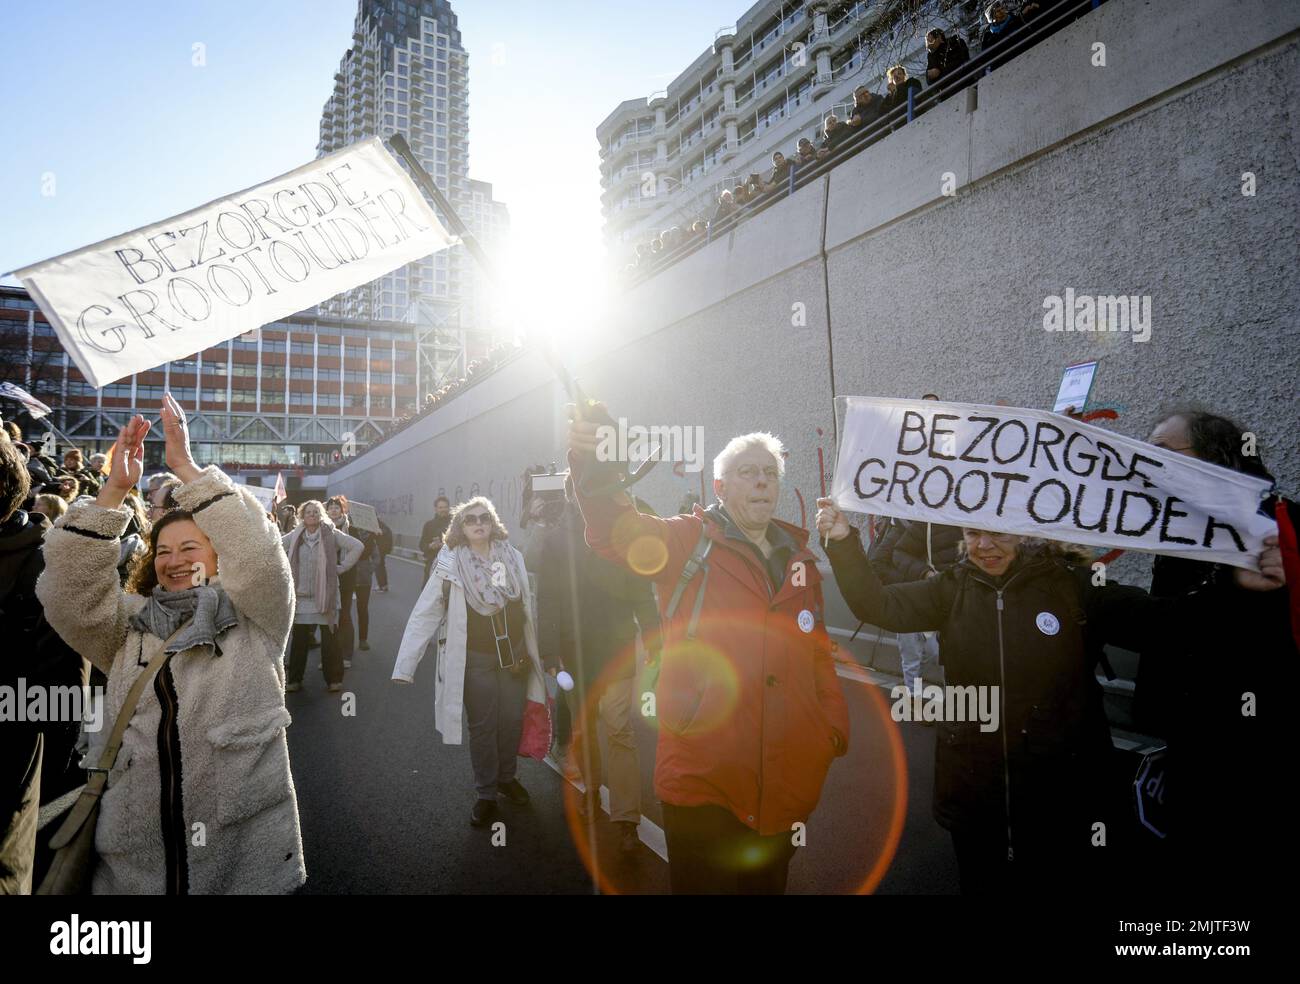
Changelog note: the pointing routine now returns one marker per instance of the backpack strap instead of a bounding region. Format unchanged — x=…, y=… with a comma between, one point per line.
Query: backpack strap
x=694, y=564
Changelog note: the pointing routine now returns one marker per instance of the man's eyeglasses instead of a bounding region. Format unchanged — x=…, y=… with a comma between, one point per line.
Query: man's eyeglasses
x=478, y=519
x=750, y=473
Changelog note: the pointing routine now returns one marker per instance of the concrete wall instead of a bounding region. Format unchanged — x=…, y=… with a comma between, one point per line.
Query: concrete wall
x=1124, y=179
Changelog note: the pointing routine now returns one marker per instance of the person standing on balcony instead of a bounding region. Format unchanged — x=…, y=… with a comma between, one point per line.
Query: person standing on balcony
x=867, y=107
x=944, y=55
x=899, y=86
x=779, y=174
x=833, y=134
x=995, y=40
x=726, y=205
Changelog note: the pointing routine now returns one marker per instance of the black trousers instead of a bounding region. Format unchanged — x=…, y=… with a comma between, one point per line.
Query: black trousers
x=20, y=769
x=381, y=571
x=300, y=642
x=710, y=852
x=348, y=635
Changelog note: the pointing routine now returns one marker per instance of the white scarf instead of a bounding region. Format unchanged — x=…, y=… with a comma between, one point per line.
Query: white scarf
x=490, y=582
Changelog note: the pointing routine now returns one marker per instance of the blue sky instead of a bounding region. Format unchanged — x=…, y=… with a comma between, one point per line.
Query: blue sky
x=108, y=111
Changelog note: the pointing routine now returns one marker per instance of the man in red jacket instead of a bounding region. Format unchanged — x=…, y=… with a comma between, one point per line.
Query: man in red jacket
x=749, y=708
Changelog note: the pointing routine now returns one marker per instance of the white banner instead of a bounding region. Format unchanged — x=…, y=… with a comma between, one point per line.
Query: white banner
x=363, y=517
x=1035, y=473
x=263, y=495
x=174, y=288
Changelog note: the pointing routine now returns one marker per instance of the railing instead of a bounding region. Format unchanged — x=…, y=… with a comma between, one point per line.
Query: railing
x=852, y=14
x=800, y=176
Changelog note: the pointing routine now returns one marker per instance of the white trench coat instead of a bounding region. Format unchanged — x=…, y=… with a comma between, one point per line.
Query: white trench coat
x=447, y=622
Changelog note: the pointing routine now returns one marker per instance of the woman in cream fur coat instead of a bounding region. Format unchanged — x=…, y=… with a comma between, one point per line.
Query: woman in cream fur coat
x=200, y=799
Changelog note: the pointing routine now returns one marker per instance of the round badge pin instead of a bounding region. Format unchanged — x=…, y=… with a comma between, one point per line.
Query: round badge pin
x=1048, y=624
x=806, y=620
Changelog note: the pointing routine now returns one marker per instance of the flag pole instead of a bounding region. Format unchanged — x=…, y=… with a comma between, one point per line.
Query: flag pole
x=397, y=143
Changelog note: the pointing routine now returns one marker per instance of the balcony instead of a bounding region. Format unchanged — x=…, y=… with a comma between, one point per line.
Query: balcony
x=817, y=41
x=855, y=14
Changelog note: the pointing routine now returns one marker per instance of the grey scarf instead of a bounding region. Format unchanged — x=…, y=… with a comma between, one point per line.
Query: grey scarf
x=207, y=608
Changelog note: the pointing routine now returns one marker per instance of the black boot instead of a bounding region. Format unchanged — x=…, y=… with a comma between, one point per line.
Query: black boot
x=483, y=813
x=628, y=839
x=513, y=791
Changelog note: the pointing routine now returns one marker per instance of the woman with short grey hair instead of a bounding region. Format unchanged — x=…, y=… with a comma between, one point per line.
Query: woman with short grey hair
x=318, y=553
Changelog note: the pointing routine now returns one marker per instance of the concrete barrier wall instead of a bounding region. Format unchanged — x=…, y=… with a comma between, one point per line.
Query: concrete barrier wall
x=1125, y=179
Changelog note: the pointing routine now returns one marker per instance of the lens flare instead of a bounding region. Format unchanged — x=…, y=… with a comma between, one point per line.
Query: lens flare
x=647, y=555
x=698, y=690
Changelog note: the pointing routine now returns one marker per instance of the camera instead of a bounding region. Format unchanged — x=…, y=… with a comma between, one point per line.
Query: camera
x=543, y=497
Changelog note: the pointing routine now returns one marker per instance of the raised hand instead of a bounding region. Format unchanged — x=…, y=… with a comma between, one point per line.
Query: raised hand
x=127, y=463
x=831, y=523
x=177, y=434
x=582, y=432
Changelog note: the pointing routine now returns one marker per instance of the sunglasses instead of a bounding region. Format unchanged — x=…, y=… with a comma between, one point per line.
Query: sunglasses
x=478, y=519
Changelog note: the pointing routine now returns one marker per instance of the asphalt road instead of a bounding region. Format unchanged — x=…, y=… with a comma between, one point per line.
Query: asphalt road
x=385, y=805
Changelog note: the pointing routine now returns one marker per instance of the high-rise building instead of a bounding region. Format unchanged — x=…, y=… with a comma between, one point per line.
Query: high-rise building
x=407, y=73
x=302, y=391
x=481, y=307
x=760, y=86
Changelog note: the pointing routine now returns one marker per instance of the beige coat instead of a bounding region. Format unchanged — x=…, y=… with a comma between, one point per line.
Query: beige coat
x=237, y=791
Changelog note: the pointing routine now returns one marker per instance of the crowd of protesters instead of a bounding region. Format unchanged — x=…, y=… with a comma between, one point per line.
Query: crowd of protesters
x=872, y=116
x=205, y=627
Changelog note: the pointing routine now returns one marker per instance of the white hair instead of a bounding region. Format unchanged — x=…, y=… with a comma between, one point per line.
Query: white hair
x=741, y=444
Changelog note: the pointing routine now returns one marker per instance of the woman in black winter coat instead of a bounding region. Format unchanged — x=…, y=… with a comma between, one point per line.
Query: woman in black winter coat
x=1022, y=800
